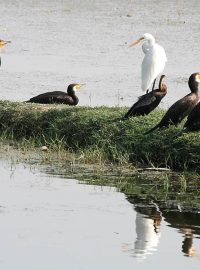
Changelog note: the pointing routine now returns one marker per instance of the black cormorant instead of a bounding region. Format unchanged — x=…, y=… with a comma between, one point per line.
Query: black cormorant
x=180, y=109
x=68, y=97
x=148, y=102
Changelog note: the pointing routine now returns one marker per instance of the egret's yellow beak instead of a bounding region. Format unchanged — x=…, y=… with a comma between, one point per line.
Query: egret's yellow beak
x=136, y=42
x=3, y=43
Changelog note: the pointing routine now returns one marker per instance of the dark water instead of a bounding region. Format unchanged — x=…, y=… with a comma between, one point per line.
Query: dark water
x=56, y=43
x=50, y=222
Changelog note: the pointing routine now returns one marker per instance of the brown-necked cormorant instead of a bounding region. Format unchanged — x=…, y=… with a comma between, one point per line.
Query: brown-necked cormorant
x=180, y=109
x=148, y=102
x=68, y=97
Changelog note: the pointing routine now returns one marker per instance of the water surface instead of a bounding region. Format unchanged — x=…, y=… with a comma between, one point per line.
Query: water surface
x=50, y=222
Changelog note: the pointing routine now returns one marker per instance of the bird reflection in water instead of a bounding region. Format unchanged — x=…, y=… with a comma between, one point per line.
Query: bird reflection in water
x=148, y=227
x=148, y=235
x=187, y=222
x=188, y=247
x=147, y=224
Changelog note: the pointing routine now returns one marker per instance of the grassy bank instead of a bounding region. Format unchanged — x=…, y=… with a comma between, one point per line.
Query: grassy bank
x=97, y=135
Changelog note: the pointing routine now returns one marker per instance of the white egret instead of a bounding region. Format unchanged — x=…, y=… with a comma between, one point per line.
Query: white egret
x=154, y=60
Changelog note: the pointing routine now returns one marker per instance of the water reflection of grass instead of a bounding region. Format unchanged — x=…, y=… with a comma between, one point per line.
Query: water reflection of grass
x=152, y=185
x=174, y=188
x=155, y=186
x=97, y=135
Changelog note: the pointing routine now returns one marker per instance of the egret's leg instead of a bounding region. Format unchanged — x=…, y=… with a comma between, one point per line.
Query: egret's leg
x=147, y=91
x=153, y=84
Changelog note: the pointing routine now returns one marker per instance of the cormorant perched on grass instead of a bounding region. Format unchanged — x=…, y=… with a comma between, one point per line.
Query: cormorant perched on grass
x=148, y=102
x=180, y=109
x=68, y=97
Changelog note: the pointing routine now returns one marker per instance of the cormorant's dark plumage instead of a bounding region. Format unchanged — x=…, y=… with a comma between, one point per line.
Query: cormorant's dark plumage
x=148, y=102
x=180, y=109
x=193, y=120
x=69, y=98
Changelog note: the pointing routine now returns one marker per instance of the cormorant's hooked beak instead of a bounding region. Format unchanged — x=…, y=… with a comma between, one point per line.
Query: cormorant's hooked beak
x=3, y=43
x=136, y=42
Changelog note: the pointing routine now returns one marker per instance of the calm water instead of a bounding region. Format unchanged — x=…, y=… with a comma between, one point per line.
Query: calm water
x=56, y=43
x=50, y=222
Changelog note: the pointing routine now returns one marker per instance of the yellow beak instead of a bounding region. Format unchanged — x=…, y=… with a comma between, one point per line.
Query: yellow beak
x=3, y=43
x=136, y=42
x=78, y=86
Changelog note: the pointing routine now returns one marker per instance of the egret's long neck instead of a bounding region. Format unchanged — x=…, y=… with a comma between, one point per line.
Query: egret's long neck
x=145, y=47
x=148, y=43
x=151, y=41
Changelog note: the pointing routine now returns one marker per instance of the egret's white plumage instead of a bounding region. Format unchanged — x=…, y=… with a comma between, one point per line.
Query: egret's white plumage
x=154, y=60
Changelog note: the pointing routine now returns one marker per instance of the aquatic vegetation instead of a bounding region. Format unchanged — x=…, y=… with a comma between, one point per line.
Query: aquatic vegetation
x=151, y=185
x=97, y=135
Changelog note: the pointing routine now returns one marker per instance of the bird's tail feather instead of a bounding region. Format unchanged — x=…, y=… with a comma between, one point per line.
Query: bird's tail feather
x=152, y=129
x=129, y=113
x=125, y=117
x=180, y=133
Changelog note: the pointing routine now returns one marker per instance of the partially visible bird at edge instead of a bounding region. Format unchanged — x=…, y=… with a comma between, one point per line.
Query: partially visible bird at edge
x=2, y=44
x=154, y=60
x=181, y=108
x=60, y=97
x=148, y=102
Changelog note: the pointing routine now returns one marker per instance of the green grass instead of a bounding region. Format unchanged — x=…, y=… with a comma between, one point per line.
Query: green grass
x=98, y=136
